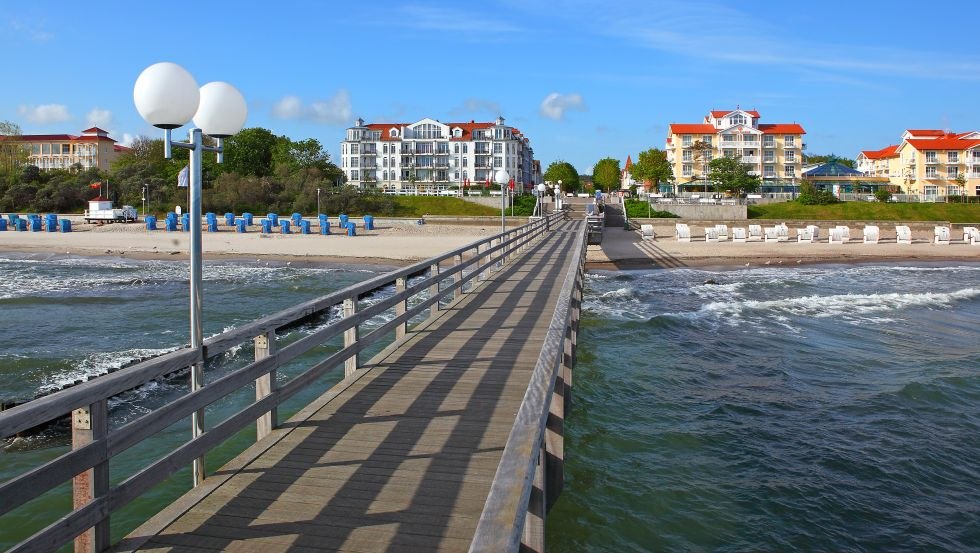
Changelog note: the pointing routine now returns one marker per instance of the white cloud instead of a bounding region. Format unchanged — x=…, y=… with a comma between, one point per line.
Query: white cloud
x=98, y=117
x=555, y=105
x=453, y=21
x=335, y=110
x=477, y=105
x=31, y=30
x=46, y=113
x=127, y=139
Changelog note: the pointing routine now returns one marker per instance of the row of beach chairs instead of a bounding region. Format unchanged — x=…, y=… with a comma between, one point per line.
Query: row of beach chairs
x=840, y=234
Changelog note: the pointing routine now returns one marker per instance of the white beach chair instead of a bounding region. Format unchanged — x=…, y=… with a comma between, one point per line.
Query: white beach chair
x=871, y=234
x=683, y=232
x=722, y=232
x=646, y=231
x=845, y=232
x=804, y=235
x=772, y=234
x=783, y=232
x=710, y=234
x=755, y=233
x=814, y=231
x=974, y=237
x=942, y=236
x=903, y=234
x=739, y=235
x=836, y=236
x=968, y=233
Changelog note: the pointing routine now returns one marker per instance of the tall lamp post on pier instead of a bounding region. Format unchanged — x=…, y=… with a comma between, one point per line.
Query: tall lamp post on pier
x=501, y=177
x=167, y=96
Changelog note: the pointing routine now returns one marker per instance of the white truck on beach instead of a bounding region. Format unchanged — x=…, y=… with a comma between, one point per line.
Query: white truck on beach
x=100, y=210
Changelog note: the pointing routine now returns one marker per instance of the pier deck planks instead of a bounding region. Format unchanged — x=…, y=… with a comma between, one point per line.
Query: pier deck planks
x=403, y=457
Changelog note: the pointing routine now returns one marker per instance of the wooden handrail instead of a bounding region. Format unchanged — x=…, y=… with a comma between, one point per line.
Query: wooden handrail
x=102, y=447
x=501, y=524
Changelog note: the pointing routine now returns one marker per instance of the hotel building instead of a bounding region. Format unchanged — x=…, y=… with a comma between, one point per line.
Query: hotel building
x=91, y=149
x=428, y=157
x=772, y=150
x=928, y=162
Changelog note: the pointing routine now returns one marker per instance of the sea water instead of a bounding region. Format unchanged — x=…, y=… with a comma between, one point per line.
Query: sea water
x=826, y=408
x=812, y=408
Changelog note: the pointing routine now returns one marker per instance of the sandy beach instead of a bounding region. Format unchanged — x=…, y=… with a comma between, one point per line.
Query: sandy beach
x=401, y=242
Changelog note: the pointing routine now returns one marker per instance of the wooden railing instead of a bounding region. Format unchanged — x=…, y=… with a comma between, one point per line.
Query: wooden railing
x=93, y=444
x=530, y=475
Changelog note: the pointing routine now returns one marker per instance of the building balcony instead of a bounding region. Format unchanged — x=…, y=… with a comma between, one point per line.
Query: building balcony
x=768, y=144
x=769, y=175
x=932, y=161
x=730, y=144
x=750, y=159
x=973, y=175
x=791, y=146
x=754, y=173
x=933, y=177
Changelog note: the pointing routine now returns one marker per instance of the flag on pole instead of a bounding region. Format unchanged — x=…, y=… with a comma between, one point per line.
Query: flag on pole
x=95, y=185
x=184, y=177
x=511, y=185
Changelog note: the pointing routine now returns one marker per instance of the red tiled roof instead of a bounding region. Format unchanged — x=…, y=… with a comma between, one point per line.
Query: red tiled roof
x=925, y=132
x=468, y=129
x=692, y=128
x=100, y=199
x=782, y=128
x=31, y=137
x=93, y=138
x=884, y=153
x=629, y=162
x=95, y=129
x=948, y=142
x=717, y=113
x=120, y=148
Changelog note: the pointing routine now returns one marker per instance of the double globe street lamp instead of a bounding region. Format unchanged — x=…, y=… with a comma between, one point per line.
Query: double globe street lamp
x=167, y=96
x=502, y=177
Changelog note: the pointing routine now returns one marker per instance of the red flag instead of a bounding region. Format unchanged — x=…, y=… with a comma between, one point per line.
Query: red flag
x=487, y=184
x=511, y=184
x=95, y=185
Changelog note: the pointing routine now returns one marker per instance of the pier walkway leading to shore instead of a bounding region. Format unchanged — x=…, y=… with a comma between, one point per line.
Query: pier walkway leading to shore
x=450, y=439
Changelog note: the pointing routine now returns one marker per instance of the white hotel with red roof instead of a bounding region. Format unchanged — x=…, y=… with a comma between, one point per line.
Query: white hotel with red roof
x=773, y=150
x=429, y=157
x=928, y=162
x=91, y=149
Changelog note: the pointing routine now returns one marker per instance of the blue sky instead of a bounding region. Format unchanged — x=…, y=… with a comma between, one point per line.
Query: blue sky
x=584, y=80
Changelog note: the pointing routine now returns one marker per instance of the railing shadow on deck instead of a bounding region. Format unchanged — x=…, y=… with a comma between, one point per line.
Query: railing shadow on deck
x=94, y=444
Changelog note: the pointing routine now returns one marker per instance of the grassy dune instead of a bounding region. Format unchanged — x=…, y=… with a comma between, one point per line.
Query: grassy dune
x=862, y=211
x=416, y=206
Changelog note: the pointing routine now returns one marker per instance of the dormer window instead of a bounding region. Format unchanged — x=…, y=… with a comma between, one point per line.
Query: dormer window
x=737, y=119
x=457, y=132
x=393, y=133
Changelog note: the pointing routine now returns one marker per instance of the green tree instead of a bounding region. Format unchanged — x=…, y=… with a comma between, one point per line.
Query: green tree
x=652, y=166
x=810, y=195
x=702, y=152
x=819, y=159
x=13, y=155
x=566, y=173
x=731, y=175
x=606, y=174
x=251, y=152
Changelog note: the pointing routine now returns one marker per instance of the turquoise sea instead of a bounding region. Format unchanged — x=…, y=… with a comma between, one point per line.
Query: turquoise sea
x=810, y=408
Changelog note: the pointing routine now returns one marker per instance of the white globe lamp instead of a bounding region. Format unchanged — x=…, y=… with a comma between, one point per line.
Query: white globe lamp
x=166, y=95
x=222, y=110
x=501, y=177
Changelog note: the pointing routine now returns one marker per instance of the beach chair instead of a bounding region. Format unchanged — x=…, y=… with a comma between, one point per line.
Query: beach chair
x=783, y=232
x=755, y=233
x=646, y=231
x=772, y=234
x=739, y=234
x=968, y=233
x=974, y=237
x=722, y=232
x=814, y=231
x=871, y=234
x=903, y=234
x=942, y=236
x=845, y=233
x=683, y=232
x=836, y=236
x=804, y=235
x=710, y=234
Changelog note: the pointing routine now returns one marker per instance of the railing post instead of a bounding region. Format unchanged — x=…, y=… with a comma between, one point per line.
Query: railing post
x=400, y=308
x=350, y=336
x=89, y=424
x=266, y=346
x=458, y=292
x=434, y=289
x=532, y=539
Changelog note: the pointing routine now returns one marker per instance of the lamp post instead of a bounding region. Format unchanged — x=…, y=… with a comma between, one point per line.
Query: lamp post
x=558, y=195
x=501, y=177
x=539, y=205
x=318, y=202
x=167, y=96
x=145, y=190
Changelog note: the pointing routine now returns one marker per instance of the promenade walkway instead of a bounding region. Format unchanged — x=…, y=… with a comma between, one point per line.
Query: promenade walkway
x=400, y=455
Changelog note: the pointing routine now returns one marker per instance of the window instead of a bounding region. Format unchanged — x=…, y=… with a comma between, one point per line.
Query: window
x=769, y=157
x=790, y=171
x=498, y=161
x=687, y=140
x=497, y=147
x=688, y=155
x=465, y=147
x=46, y=148
x=976, y=171
x=952, y=157
x=769, y=171
x=769, y=142
x=790, y=156
x=355, y=174
x=355, y=148
x=790, y=140
x=355, y=162
x=66, y=149
x=36, y=149
x=384, y=161
x=977, y=190
x=428, y=130
x=465, y=161
x=737, y=119
x=456, y=148
x=932, y=157
x=688, y=170
x=952, y=172
x=931, y=190
x=728, y=138
x=706, y=139
x=393, y=133
x=931, y=172
x=953, y=190
x=976, y=156
x=750, y=138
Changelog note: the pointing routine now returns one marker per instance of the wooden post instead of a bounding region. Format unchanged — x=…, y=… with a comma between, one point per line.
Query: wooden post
x=89, y=424
x=458, y=293
x=532, y=539
x=554, y=438
x=434, y=290
x=400, y=308
x=265, y=345
x=480, y=248
x=350, y=337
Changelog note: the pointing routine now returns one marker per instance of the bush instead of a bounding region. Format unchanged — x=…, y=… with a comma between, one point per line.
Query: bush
x=883, y=195
x=809, y=195
x=638, y=209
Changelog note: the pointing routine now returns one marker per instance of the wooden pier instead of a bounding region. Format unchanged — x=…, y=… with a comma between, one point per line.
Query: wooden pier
x=450, y=439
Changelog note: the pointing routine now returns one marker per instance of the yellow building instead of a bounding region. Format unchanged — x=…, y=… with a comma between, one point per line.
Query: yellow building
x=929, y=162
x=92, y=148
x=773, y=150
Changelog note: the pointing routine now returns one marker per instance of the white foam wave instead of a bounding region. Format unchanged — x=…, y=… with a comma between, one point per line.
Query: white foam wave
x=97, y=364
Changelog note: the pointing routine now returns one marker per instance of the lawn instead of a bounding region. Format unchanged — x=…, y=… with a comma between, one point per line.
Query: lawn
x=416, y=206
x=868, y=211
